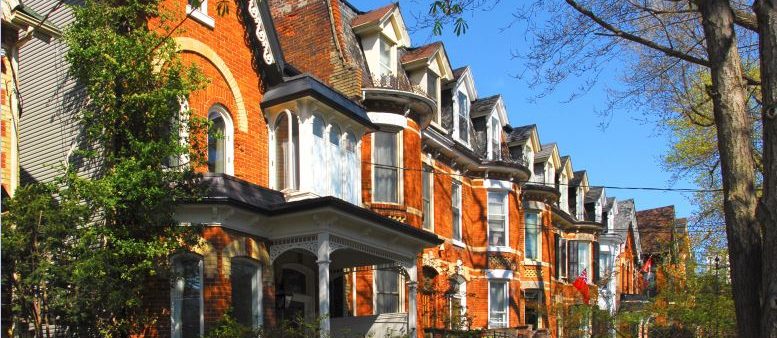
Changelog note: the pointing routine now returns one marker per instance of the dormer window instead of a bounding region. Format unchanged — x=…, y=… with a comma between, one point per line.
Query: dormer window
x=463, y=118
x=495, y=139
x=385, y=58
x=431, y=85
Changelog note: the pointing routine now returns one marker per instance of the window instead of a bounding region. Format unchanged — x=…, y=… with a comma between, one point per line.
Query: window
x=198, y=10
x=246, y=280
x=385, y=58
x=335, y=162
x=498, y=299
x=198, y=5
x=456, y=210
x=219, y=141
x=605, y=263
x=578, y=258
x=428, y=184
x=386, y=168
x=458, y=308
x=561, y=258
x=563, y=190
x=496, y=139
x=386, y=292
x=351, y=170
x=286, y=152
x=186, y=305
x=431, y=86
x=463, y=117
x=532, y=307
x=533, y=226
x=497, y=218
x=319, y=150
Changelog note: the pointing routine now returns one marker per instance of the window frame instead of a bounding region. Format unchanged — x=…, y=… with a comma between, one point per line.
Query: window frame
x=462, y=117
x=506, y=219
x=292, y=161
x=538, y=243
x=495, y=139
x=399, y=160
x=506, y=290
x=427, y=181
x=562, y=255
x=176, y=331
x=578, y=261
x=456, y=214
x=200, y=13
x=385, y=69
x=217, y=111
x=400, y=294
x=257, y=297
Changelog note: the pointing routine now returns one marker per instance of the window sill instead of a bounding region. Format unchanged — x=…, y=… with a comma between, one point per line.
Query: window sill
x=200, y=17
x=532, y=262
x=500, y=249
x=458, y=243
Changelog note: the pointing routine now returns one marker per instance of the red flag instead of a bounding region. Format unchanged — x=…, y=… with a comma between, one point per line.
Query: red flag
x=646, y=267
x=581, y=284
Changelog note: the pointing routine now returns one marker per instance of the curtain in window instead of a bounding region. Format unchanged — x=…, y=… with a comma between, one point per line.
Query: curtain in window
x=281, y=151
x=217, y=145
x=497, y=298
x=463, y=117
x=246, y=290
x=386, y=171
x=532, y=235
x=578, y=258
x=456, y=209
x=496, y=219
x=335, y=165
x=186, y=296
x=319, y=153
x=427, y=196
x=387, y=291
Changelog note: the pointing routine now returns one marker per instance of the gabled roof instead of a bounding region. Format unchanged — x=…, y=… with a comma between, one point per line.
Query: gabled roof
x=548, y=152
x=609, y=204
x=521, y=134
x=484, y=106
x=421, y=52
x=463, y=76
x=594, y=194
x=427, y=54
x=373, y=16
x=579, y=177
x=655, y=228
x=458, y=72
x=566, y=165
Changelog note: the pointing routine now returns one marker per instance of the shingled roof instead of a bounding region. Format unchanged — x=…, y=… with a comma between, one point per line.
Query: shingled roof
x=593, y=194
x=484, y=106
x=655, y=228
x=520, y=134
x=373, y=15
x=577, y=177
x=420, y=53
x=545, y=151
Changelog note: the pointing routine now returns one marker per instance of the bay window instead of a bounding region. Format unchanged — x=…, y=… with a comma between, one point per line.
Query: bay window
x=335, y=161
x=350, y=177
x=497, y=218
x=428, y=187
x=286, y=162
x=533, y=225
x=245, y=276
x=498, y=301
x=319, y=154
x=456, y=210
x=386, y=167
x=186, y=303
x=387, y=296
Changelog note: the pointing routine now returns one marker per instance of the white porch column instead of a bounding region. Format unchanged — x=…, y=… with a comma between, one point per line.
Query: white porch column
x=323, y=283
x=412, y=293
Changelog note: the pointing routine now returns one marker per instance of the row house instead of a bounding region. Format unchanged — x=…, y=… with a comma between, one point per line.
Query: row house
x=362, y=182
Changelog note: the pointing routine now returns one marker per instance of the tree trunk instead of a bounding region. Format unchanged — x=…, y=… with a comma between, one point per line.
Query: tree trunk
x=737, y=166
x=766, y=12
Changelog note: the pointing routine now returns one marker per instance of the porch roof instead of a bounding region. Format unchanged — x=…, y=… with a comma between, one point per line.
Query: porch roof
x=222, y=188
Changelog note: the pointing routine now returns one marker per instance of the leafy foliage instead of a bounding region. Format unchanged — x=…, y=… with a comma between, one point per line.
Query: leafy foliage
x=83, y=250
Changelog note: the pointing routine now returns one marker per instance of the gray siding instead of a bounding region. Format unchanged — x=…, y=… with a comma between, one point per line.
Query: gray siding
x=51, y=97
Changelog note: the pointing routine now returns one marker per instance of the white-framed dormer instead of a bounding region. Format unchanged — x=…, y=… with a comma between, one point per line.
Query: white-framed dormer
x=565, y=175
x=464, y=93
x=497, y=119
x=428, y=67
x=582, y=190
x=380, y=37
x=198, y=10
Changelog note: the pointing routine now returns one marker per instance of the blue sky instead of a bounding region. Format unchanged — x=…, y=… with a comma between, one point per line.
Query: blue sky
x=627, y=153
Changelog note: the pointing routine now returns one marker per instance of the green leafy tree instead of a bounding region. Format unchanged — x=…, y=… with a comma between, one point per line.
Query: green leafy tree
x=84, y=250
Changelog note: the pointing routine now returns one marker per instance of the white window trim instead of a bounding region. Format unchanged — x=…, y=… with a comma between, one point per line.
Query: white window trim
x=400, y=172
x=505, y=201
x=400, y=290
x=177, y=333
x=456, y=127
x=538, y=260
x=431, y=197
x=201, y=14
x=506, y=283
x=257, y=299
x=383, y=67
x=458, y=241
x=493, y=134
x=229, y=135
x=291, y=169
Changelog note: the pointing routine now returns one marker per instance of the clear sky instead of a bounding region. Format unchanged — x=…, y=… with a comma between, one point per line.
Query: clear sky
x=626, y=153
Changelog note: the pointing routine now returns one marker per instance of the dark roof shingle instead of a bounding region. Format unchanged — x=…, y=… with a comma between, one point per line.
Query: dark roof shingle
x=373, y=15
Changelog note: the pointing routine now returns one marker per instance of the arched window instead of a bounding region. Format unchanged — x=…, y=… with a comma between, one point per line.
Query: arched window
x=286, y=155
x=319, y=151
x=186, y=304
x=246, y=281
x=220, y=141
x=352, y=166
x=335, y=187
